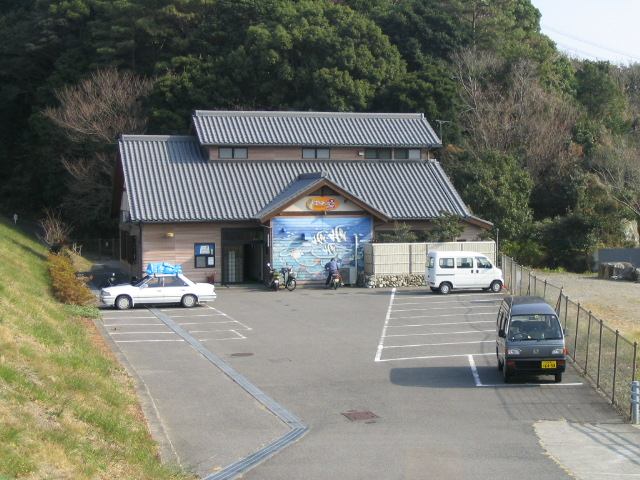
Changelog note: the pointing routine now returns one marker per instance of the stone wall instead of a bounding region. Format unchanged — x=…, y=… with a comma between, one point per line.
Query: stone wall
x=403, y=280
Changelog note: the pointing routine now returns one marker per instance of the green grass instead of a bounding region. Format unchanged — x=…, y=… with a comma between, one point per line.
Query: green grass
x=67, y=409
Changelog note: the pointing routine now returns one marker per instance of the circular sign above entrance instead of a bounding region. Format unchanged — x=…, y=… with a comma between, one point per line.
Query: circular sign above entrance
x=322, y=204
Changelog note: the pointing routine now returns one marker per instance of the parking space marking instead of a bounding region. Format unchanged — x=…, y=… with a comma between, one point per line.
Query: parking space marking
x=438, y=333
x=427, y=357
x=229, y=317
x=384, y=328
x=206, y=323
x=428, y=296
x=437, y=344
x=141, y=333
x=439, y=324
x=150, y=340
x=125, y=317
x=474, y=371
x=438, y=316
x=444, y=308
x=130, y=324
x=471, y=302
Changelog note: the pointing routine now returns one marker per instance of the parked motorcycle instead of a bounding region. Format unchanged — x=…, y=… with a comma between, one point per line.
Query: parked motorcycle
x=285, y=277
x=336, y=280
x=289, y=277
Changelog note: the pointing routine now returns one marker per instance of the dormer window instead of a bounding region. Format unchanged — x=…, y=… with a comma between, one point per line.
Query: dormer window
x=232, y=152
x=320, y=153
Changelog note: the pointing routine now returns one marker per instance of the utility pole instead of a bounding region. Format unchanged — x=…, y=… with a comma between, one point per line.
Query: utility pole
x=440, y=122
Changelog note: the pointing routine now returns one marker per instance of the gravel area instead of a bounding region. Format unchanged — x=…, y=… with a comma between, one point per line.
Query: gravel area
x=617, y=303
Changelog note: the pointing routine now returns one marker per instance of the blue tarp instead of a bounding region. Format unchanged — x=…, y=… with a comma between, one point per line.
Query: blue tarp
x=163, y=267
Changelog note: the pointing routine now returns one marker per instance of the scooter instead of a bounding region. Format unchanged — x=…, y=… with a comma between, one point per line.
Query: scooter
x=289, y=278
x=274, y=281
x=336, y=280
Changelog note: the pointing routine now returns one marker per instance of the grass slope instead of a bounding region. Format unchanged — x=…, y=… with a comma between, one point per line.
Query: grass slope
x=67, y=409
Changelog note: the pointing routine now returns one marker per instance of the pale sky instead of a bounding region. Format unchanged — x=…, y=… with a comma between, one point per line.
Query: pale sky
x=593, y=29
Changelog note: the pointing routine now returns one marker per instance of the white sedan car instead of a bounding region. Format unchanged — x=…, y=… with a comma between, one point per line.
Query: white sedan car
x=159, y=288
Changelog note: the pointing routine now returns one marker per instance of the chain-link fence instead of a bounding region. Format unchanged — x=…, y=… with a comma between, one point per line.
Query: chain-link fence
x=605, y=357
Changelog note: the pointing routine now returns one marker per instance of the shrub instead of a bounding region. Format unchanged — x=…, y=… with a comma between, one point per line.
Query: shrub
x=66, y=287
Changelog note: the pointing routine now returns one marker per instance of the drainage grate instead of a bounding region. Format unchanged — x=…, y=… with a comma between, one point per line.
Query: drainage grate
x=355, y=415
x=241, y=354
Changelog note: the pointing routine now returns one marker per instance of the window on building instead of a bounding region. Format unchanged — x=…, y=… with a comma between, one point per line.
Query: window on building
x=377, y=153
x=232, y=152
x=322, y=153
x=406, y=153
x=205, y=255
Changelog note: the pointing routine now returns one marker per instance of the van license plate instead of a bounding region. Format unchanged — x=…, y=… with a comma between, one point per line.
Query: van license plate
x=550, y=364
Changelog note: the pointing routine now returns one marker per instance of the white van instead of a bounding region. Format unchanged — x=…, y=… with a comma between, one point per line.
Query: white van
x=448, y=270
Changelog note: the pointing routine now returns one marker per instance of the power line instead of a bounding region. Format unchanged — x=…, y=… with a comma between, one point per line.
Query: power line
x=592, y=44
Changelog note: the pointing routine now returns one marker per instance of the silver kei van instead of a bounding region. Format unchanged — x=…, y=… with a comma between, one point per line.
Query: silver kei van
x=446, y=271
x=529, y=339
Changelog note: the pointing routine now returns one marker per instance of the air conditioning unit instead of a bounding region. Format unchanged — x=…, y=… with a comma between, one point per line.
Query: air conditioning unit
x=349, y=275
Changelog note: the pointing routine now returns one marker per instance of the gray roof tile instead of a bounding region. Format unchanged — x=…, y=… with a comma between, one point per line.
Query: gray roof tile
x=169, y=179
x=314, y=129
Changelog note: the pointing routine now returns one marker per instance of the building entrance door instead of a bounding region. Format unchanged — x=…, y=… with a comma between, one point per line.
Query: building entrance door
x=242, y=255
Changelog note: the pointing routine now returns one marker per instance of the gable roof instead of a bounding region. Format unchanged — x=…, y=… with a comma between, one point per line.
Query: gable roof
x=319, y=129
x=169, y=179
x=304, y=185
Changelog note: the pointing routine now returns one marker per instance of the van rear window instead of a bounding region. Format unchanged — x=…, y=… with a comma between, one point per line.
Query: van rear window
x=446, y=263
x=432, y=262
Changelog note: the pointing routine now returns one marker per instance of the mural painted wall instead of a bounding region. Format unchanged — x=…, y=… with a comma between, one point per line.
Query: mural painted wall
x=308, y=243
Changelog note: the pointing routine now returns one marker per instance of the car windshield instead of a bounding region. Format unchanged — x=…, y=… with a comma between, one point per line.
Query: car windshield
x=142, y=281
x=534, y=327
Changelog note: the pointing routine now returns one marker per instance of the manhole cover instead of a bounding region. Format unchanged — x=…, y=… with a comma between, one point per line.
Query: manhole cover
x=355, y=415
x=241, y=354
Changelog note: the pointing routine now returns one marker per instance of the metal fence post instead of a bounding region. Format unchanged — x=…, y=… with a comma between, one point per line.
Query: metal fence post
x=529, y=286
x=599, y=355
x=615, y=367
x=586, y=357
x=559, y=303
x=635, y=402
x=575, y=337
x=633, y=379
x=566, y=310
x=544, y=292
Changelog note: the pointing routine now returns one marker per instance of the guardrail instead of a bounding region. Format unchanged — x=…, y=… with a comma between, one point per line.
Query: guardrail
x=602, y=354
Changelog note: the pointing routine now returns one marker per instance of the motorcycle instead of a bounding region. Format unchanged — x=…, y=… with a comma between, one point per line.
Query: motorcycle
x=336, y=280
x=289, y=277
x=274, y=280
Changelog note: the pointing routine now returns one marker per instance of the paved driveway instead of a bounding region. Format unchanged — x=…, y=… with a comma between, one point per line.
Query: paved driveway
x=415, y=371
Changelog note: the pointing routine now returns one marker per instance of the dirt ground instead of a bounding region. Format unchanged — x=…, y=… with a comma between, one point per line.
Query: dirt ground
x=617, y=303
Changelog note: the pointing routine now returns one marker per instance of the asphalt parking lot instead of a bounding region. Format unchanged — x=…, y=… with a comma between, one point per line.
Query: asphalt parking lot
x=394, y=385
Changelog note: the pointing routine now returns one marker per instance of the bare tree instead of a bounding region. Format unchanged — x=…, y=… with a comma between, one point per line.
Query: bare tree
x=56, y=232
x=93, y=113
x=507, y=109
x=102, y=107
x=617, y=165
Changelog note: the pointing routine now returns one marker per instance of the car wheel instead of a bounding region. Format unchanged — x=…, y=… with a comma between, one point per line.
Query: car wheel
x=445, y=288
x=496, y=286
x=188, y=301
x=558, y=377
x=291, y=285
x=123, y=302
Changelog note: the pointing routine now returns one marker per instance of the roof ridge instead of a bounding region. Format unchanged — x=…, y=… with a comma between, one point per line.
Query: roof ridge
x=140, y=137
x=298, y=113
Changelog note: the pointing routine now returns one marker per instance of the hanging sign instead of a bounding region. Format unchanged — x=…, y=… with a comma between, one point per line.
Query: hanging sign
x=322, y=204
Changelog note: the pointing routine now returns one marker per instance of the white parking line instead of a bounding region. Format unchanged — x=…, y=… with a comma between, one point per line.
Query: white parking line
x=428, y=296
x=439, y=316
x=384, y=328
x=224, y=314
x=438, y=333
x=126, y=317
x=511, y=385
x=197, y=315
x=471, y=302
x=438, y=324
x=436, y=344
x=149, y=341
x=430, y=357
x=445, y=308
x=141, y=333
x=130, y=324
x=474, y=371
x=205, y=323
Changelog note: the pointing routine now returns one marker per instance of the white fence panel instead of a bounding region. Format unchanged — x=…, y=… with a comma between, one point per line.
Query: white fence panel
x=410, y=258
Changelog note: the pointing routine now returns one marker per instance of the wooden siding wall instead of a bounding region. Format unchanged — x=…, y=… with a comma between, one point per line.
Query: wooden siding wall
x=157, y=247
x=295, y=153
